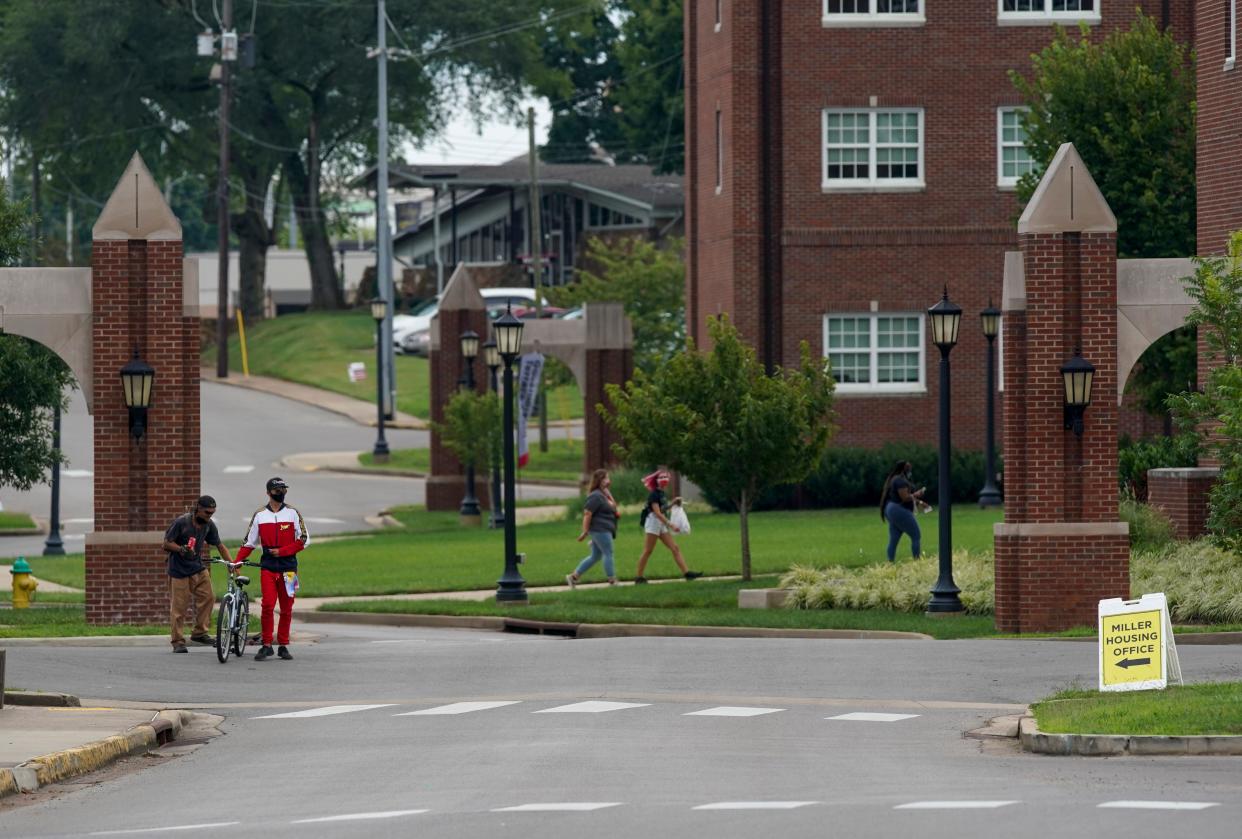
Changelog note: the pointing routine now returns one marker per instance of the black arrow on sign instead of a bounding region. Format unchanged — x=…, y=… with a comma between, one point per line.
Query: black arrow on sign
x=1133, y=662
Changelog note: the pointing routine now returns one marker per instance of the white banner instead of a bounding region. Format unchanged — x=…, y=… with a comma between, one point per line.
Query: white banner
x=529, y=373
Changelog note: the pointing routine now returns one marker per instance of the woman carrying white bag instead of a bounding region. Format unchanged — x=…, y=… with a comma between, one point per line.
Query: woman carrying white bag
x=658, y=526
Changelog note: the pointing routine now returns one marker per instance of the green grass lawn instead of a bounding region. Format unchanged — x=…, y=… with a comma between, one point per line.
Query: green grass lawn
x=12, y=521
x=61, y=622
x=561, y=462
x=697, y=603
x=316, y=348
x=1179, y=710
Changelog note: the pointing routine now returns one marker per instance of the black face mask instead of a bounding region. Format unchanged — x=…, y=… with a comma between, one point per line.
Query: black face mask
x=278, y=497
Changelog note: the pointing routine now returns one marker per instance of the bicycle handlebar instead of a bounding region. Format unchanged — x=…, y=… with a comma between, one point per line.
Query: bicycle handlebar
x=218, y=561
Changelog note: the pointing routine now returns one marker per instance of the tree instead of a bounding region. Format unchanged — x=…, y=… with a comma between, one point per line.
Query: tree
x=651, y=91
x=1127, y=104
x=1169, y=365
x=1215, y=413
x=649, y=279
x=719, y=419
x=32, y=379
x=471, y=427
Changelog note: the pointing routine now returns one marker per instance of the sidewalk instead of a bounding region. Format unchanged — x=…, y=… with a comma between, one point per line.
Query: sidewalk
x=44, y=585
x=347, y=462
x=360, y=412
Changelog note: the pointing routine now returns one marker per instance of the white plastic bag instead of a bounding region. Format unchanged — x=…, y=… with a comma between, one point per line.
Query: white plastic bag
x=677, y=517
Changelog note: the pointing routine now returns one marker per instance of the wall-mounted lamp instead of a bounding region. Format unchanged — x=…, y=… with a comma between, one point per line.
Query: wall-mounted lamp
x=136, y=379
x=1078, y=375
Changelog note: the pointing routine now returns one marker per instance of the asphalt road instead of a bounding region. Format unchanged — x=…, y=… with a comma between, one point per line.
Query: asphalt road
x=245, y=435
x=331, y=738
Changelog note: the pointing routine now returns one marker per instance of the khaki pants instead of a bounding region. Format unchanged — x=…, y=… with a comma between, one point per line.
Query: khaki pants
x=187, y=591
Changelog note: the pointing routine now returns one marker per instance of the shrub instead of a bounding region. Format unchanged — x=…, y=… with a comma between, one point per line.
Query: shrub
x=853, y=477
x=901, y=587
x=1135, y=457
x=1202, y=582
x=1150, y=528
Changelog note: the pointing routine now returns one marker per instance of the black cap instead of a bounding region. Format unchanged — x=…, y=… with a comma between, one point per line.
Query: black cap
x=276, y=483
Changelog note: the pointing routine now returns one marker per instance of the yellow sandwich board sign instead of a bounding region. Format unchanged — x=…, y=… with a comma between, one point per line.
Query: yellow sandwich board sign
x=1136, y=644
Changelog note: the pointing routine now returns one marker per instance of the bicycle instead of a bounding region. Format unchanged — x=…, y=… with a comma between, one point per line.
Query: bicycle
x=233, y=618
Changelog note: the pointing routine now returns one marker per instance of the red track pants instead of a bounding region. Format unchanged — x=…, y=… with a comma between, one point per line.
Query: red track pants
x=273, y=590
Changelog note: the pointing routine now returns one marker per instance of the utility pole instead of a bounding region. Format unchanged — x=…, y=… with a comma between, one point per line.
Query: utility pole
x=69, y=230
x=383, y=239
x=222, y=196
x=536, y=253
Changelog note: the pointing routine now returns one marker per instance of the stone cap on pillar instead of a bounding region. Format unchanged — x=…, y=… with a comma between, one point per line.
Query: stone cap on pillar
x=460, y=295
x=136, y=209
x=1067, y=199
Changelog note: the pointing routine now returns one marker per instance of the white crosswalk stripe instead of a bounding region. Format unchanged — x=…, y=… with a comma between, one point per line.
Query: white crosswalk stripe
x=755, y=805
x=207, y=826
x=458, y=708
x=592, y=707
x=327, y=711
x=867, y=716
x=954, y=805
x=349, y=817
x=1158, y=805
x=564, y=807
x=733, y=711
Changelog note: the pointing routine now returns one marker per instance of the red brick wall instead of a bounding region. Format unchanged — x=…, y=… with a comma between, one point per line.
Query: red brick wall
x=1050, y=583
x=602, y=367
x=837, y=251
x=1182, y=495
x=1219, y=146
x=137, y=297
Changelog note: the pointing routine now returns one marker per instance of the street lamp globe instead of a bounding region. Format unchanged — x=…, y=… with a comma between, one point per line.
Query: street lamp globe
x=491, y=355
x=945, y=318
x=379, y=308
x=991, y=317
x=1078, y=375
x=508, y=331
x=136, y=379
x=469, y=344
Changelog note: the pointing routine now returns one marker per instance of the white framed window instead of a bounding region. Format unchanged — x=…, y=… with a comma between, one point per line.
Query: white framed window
x=1034, y=12
x=873, y=13
x=876, y=352
x=873, y=149
x=1013, y=160
x=1231, y=36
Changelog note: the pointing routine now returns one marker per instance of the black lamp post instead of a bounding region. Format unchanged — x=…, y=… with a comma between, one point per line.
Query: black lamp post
x=54, y=545
x=990, y=496
x=379, y=311
x=469, y=351
x=945, y=318
x=1078, y=375
x=137, y=377
x=508, y=331
x=491, y=357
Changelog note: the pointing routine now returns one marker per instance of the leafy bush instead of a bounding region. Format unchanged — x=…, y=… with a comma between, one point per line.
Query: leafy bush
x=853, y=477
x=900, y=587
x=1202, y=581
x=1135, y=457
x=1150, y=528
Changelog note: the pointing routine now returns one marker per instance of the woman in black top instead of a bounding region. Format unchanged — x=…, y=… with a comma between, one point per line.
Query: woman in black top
x=897, y=503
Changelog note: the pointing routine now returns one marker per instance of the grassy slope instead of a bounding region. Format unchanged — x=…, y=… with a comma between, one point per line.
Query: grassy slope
x=316, y=348
x=15, y=520
x=561, y=462
x=1189, y=710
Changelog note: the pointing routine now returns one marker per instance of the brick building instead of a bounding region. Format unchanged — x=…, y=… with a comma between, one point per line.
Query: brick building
x=1219, y=147
x=850, y=158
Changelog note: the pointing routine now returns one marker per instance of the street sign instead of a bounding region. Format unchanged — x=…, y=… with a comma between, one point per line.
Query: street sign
x=1137, y=651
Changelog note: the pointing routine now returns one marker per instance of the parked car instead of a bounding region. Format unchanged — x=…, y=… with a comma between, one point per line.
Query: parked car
x=404, y=326
x=530, y=312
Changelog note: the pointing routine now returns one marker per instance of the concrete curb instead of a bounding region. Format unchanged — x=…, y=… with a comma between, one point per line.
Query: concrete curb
x=52, y=768
x=49, y=700
x=590, y=630
x=1106, y=745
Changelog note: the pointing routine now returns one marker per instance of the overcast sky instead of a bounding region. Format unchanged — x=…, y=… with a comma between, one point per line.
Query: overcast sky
x=499, y=141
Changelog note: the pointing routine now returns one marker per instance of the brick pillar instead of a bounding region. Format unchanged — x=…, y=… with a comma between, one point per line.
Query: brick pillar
x=461, y=308
x=609, y=344
x=1182, y=495
x=1061, y=548
x=139, y=304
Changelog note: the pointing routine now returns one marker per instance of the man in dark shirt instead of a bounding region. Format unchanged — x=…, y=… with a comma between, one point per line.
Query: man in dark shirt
x=189, y=580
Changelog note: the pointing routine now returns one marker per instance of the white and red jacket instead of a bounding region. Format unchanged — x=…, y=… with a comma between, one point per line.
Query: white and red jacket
x=281, y=534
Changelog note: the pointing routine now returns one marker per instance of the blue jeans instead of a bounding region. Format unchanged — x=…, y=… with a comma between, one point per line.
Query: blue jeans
x=901, y=520
x=601, y=548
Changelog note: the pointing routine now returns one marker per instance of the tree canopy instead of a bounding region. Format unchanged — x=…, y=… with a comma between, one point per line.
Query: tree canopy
x=722, y=421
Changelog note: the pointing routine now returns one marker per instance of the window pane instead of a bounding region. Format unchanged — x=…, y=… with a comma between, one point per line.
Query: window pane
x=897, y=367
x=851, y=368
x=897, y=6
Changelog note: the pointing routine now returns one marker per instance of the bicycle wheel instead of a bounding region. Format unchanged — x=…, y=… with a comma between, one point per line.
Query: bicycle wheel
x=224, y=627
x=241, y=627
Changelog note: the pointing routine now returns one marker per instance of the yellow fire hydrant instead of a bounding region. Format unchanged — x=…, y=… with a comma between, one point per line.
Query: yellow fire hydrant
x=24, y=584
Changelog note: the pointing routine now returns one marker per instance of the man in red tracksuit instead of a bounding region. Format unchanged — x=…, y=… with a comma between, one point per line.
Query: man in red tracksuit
x=280, y=531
